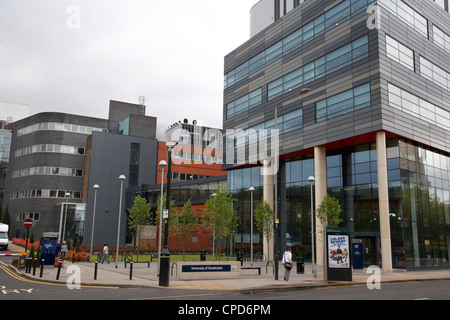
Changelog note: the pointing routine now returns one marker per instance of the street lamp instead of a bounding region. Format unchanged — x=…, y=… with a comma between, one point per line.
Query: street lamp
x=62, y=220
x=214, y=229
x=122, y=178
x=299, y=92
x=162, y=164
x=311, y=180
x=95, y=187
x=251, y=224
x=165, y=254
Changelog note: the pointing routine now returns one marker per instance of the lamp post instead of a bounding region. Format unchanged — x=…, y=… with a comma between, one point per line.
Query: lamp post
x=214, y=229
x=251, y=224
x=162, y=164
x=95, y=187
x=299, y=92
x=311, y=180
x=164, y=270
x=63, y=220
x=122, y=178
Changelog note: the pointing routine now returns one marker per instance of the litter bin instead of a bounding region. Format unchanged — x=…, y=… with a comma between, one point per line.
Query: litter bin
x=300, y=265
x=202, y=255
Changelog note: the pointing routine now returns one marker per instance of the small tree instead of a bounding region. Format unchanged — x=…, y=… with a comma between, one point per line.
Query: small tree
x=329, y=212
x=265, y=216
x=184, y=224
x=222, y=220
x=139, y=215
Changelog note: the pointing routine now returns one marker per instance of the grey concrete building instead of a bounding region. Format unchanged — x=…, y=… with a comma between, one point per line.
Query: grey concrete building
x=373, y=129
x=56, y=158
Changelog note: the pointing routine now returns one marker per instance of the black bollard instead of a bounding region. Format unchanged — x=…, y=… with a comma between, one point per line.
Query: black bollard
x=34, y=266
x=95, y=270
x=42, y=268
x=59, y=270
x=131, y=270
x=28, y=268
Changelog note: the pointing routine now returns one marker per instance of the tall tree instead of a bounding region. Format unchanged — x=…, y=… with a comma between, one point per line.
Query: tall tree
x=329, y=212
x=221, y=219
x=139, y=216
x=184, y=223
x=265, y=218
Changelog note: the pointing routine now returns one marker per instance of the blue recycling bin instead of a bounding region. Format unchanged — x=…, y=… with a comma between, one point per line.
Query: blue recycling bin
x=358, y=258
x=48, y=251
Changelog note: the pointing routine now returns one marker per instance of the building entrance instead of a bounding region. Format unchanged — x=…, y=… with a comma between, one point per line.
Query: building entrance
x=371, y=249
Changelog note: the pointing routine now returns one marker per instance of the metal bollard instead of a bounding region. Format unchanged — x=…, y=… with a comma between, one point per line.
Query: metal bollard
x=95, y=270
x=34, y=266
x=59, y=270
x=42, y=268
x=28, y=269
x=131, y=270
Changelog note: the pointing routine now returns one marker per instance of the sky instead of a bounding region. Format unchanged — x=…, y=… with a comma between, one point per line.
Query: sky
x=74, y=56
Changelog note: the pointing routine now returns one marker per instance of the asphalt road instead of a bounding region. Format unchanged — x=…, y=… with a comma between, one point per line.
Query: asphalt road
x=14, y=286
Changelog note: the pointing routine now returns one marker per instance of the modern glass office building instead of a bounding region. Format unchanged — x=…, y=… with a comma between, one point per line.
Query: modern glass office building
x=374, y=129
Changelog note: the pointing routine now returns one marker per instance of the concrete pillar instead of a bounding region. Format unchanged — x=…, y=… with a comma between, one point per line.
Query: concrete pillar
x=383, y=202
x=320, y=174
x=268, y=184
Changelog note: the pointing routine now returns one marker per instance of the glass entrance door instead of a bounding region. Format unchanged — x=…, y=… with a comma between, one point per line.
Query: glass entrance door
x=370, y=251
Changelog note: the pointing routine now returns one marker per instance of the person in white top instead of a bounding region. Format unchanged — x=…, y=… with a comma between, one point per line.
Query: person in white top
x=287, y=262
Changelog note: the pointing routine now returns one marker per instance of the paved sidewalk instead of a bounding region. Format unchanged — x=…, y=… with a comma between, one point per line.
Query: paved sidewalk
x=142, y=276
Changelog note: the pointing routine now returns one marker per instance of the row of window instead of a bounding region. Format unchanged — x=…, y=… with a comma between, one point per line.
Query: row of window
x=45, y=193
x=36, y=216
x=56, y=148
x=285, y=123
x=54, y=171
x=325, y=22
x=342, y=103
x=333, y=61
x=405, y=13
x=57, y=126
x=399, y=53
x=411, y=104
x=188, y=176
x=441, y=38
x=434, y=73
x=244, y=103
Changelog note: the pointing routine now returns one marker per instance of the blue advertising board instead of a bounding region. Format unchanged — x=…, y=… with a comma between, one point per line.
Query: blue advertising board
x=358, y=260
x=48, y=251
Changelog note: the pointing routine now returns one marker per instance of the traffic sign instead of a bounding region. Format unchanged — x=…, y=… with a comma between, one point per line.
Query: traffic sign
x=28, y=223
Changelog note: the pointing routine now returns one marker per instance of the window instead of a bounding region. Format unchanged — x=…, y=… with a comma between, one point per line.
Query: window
x=244, y=103
x=400, y=53
x=405, y=13
x=342, y=103
x=329, y=63
x=434, y=73
x=409, y=103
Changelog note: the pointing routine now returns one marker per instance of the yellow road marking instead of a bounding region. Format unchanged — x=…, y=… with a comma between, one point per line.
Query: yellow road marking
x=20, y=278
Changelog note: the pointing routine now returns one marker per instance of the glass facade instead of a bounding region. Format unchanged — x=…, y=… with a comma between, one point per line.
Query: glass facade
x=419, y=201
x=342, y=103
x=73, y=222
x=324, y=23
x=334, y=61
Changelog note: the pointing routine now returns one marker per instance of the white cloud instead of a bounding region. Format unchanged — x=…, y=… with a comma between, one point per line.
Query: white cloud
x=171, y=52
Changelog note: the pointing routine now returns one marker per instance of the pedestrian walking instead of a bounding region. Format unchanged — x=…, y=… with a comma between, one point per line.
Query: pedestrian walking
x=105, y=253
x=63, y=250
x=287, y=262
